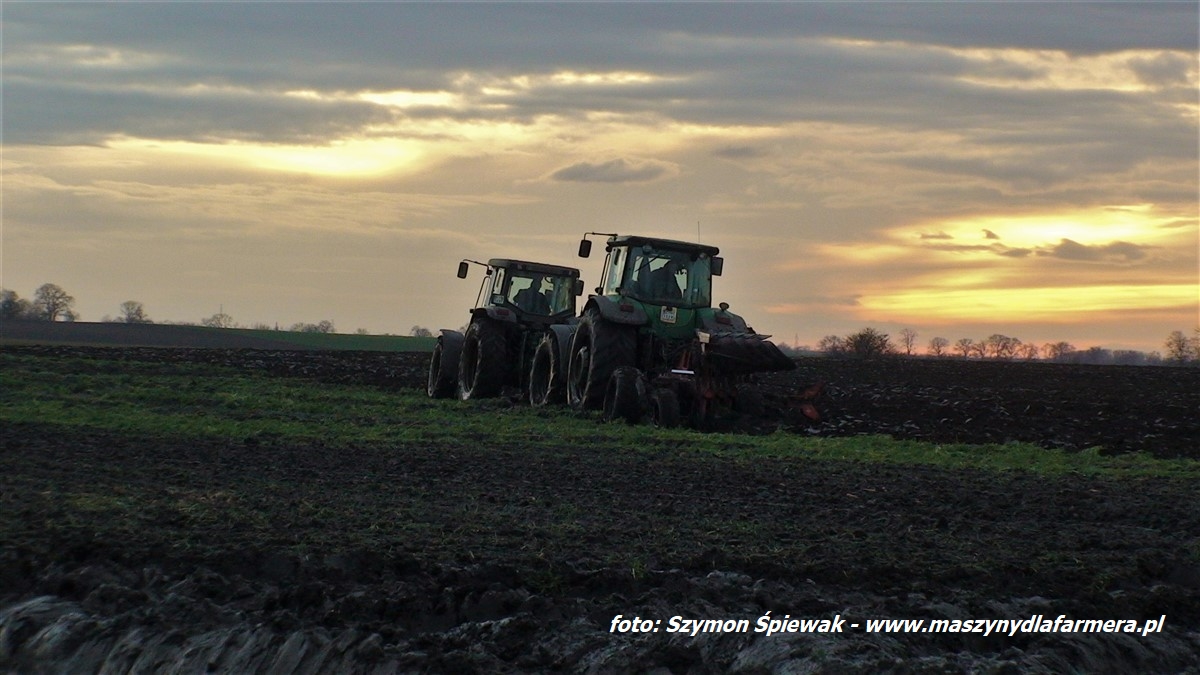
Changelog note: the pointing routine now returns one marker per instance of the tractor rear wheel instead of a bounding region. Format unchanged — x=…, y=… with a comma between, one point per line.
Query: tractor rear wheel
x=547, y=379
x=622, y=397
x=484, y=360
x=598, y=348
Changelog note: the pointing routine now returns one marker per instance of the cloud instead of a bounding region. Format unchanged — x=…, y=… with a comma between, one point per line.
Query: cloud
x=739, y=152
x=1117, y=251
x=1163, y=70
x=613, y=171
x=988, y=234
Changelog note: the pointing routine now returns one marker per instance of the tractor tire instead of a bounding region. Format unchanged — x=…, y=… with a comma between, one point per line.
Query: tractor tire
x=547, y=376
x=622, y=397
x=664, y=408
x=484, y=360
x=597, y=350
x=443, y=368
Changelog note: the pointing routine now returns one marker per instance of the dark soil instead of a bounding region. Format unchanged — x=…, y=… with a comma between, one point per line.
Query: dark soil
x=517, y=561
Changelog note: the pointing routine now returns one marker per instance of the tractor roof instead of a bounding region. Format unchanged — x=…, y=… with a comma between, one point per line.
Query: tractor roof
x=672, y=244
x=540, y=268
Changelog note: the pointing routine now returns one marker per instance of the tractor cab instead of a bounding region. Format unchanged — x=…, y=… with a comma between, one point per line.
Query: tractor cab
x=515, y=290
x=662, y=283
x=658, y=271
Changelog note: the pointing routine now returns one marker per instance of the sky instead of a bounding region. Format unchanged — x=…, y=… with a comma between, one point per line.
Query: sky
x=958, y=169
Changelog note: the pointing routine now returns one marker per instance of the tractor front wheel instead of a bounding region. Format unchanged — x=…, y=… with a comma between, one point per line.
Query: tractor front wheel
x=664, y=408
x=622, y=397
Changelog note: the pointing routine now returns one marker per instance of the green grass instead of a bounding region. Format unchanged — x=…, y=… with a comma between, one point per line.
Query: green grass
x=194, y=400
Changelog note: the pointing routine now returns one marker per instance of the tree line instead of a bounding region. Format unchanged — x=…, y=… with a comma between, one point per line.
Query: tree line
x=51, y=303
x=1179, y=349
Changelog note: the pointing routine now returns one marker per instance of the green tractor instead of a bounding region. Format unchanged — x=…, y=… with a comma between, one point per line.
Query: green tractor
x=649, y=342
x=517, y=337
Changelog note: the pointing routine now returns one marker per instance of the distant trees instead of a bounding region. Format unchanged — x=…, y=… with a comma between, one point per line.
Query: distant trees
x=50, y=303
x=13, y=306
x=219, y=320
x=831, y=344
x=869, y=342
x=1000, y=346
x=866, y=343
x=132, y=311
x=325, y=326
x=1057, y=351
x=421, y=332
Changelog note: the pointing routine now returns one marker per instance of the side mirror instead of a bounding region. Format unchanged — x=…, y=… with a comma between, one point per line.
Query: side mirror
x=585, y=248
x=578, y=287
x=462, y=269
x=718, y=263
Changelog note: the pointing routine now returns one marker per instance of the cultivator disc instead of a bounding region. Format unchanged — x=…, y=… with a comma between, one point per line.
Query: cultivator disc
x=745, y=353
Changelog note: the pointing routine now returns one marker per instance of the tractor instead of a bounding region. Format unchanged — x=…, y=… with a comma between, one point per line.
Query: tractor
x=518, y=334
x=650, y=342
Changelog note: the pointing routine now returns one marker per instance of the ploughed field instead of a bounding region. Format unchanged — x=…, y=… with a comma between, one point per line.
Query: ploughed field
x=440, y=536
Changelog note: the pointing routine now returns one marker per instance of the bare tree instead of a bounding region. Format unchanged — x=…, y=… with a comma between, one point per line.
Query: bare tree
x=1028, y=351
x=938, y=346
x=421, y=332
x=908, y=338
x=132, y=311
x=51, y=303
x=1179, y=348
x=965, y=347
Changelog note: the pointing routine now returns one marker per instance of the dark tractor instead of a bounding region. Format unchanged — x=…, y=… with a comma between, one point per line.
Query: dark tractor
x=650, y=342
x=518, y=335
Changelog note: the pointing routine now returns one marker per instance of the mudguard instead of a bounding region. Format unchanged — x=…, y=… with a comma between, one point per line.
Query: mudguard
x=452, y=342
x=723, y=321
x=612, y=310
x=499, y=314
